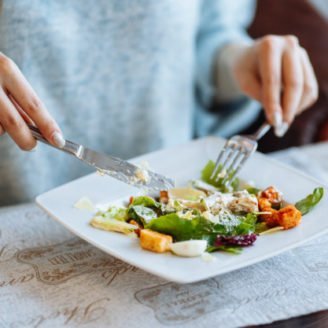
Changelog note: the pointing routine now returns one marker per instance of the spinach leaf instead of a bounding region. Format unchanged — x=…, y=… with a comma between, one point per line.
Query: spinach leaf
x=305, y=205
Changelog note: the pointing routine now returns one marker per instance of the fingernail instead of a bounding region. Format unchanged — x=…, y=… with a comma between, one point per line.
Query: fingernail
x=277, y=119
x=34, y=148
x=281, y=130
x=58, y=140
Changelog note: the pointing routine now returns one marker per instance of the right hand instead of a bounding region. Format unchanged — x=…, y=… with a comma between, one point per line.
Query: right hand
x=276, y=71
x=19, y=106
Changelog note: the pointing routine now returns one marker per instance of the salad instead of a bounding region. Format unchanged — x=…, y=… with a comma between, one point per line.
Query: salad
x=205, y=216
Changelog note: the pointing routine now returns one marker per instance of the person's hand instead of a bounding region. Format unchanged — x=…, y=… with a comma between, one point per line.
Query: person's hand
x=19, y=106
x=276, y=71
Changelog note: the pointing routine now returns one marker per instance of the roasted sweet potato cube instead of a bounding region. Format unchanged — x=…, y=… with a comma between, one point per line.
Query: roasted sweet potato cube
x=155, y=241
x=289, y=217
x=264, y=204
x=272, y=195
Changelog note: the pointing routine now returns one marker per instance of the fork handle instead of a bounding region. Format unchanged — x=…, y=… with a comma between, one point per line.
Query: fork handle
x=264, y=128
x=70, y=147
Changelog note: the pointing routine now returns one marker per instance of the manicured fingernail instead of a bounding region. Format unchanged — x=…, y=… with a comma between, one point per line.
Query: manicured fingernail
x=281, y=130
x=34, y=148
x=58, y=140
x=277, y=119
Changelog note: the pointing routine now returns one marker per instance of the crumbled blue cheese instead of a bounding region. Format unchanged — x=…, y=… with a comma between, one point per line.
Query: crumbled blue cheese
x=243, y=202
x=222, y=174
x=188, y=215
x=240, y=201
x=142, y=175
x=101, y=172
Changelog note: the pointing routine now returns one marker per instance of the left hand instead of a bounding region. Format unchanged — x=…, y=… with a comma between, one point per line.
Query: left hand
x=276, y=71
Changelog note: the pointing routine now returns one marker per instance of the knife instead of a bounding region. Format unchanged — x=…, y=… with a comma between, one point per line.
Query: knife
x=112, y=166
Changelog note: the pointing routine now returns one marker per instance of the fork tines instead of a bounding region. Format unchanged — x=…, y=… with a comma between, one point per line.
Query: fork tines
x=232, y=157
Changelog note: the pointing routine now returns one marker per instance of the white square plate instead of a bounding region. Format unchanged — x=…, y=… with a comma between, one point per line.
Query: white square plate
x=184, y=163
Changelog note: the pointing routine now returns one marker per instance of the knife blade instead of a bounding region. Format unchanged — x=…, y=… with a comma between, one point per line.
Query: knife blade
x=112, y=166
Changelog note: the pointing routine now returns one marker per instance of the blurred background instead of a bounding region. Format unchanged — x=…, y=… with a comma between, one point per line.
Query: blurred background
x=308, y=20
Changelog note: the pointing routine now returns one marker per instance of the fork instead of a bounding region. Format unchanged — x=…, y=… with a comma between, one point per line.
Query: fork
x=235, y=153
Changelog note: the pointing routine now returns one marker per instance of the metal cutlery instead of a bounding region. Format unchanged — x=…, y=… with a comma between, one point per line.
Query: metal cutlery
x=235, y=153
x=112, y=166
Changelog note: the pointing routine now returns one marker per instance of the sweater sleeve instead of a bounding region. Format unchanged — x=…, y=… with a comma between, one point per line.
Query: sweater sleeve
x=221, y=22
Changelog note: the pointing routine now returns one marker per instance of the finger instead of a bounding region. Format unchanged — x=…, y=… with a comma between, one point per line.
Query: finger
x=25, y=96
x=251, y=86
x=14, y=124
x=310, y=86
x=25, y=117
x=2, y=130
x=292, y=80
x=270, y=72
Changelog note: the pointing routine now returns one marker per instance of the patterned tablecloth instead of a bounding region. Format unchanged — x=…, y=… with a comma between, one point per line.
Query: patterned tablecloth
x=50, y=278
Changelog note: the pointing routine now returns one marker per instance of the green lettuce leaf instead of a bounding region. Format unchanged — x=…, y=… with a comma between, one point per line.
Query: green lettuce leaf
x=184, y=229
x=308, y=203
x=261, y=227
x=116, y=213
x=228, y=249
x=145, y=201
x=141, y=214
x=206, y=177
x=251, y=219
x=253, y=190
x=200, y=228
x=246, y=226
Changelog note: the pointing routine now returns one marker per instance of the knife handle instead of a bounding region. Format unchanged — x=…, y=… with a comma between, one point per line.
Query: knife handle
x=70, y=147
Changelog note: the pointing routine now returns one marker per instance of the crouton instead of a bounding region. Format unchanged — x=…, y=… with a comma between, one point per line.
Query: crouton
x=155, y=241
x=164, y=196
